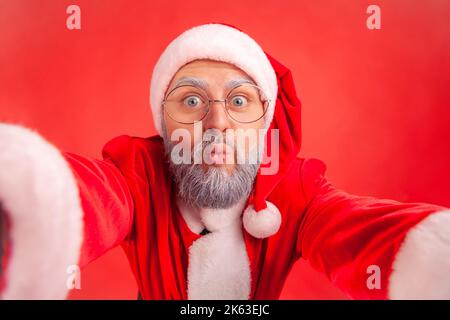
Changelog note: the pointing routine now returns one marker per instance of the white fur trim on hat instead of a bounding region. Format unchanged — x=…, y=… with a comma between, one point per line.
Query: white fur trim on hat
x=40, y=196
x=421, y=267
x=264, y=223
x=215, y=42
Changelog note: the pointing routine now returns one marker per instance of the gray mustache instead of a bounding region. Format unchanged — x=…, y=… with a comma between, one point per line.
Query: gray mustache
x=210, y=137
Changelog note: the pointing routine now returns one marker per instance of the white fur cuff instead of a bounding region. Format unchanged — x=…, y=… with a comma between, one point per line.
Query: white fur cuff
x=422, y=266
x=40, y=196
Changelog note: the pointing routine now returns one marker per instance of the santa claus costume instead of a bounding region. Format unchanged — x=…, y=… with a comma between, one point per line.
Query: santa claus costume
x=64, y=209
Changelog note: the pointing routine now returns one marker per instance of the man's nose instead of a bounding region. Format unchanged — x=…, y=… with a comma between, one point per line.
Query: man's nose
x=217, y=117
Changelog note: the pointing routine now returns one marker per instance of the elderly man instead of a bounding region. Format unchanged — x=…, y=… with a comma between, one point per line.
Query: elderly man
x=218, y=205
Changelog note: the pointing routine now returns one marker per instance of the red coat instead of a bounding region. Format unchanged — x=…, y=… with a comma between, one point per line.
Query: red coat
x=128, y=200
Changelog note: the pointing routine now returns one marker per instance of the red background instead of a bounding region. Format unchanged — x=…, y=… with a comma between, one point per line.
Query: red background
x=375, y=102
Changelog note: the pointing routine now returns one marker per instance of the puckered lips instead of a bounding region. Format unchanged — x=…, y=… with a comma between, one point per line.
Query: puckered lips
x=218, y=154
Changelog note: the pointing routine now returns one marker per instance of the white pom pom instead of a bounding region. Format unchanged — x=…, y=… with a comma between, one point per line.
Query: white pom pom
x=264, y=223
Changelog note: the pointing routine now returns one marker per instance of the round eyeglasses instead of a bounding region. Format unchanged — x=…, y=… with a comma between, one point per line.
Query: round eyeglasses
x=188, y=104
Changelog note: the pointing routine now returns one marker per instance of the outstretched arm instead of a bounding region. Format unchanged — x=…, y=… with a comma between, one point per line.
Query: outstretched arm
x=61, y=210
x=106, y=202
x=374, y=248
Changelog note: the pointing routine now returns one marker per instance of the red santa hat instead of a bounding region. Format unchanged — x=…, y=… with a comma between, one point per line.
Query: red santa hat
x=226, y=43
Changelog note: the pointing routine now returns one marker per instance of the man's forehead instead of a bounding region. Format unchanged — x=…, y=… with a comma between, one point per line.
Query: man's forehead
x=203, y=83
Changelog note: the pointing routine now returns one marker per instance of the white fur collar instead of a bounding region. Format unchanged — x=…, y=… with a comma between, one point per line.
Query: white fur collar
x=219, y=267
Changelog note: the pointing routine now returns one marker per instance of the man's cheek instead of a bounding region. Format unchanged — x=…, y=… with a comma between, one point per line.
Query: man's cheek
x=182, y=146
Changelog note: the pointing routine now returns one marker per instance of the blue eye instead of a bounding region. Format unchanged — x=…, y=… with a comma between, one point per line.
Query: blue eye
x=239, y=101
x=192, y=101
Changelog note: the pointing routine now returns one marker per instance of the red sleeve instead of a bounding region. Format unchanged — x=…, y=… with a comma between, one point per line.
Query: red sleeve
x=107, y=204
x=346, y=236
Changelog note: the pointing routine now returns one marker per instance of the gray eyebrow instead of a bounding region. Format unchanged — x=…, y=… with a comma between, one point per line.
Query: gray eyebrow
x=191, y=81
x=237, y=82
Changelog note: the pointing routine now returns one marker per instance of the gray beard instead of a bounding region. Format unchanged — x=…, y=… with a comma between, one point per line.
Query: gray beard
x=214, y=187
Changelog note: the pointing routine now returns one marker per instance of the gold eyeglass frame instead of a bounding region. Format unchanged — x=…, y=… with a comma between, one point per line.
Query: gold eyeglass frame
x=211, y=101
